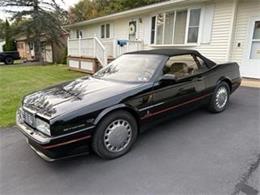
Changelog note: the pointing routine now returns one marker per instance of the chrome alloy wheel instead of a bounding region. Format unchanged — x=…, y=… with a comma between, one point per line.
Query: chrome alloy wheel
x=117, y=135
x=221, y=97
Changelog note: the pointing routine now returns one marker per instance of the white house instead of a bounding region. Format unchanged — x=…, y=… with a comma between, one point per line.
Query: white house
x=222, y=30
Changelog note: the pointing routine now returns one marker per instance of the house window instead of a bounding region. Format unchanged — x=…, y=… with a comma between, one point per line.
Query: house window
x=159, y=29
x=102, y=31
x=168, y=31
x=105, y=31
x=180, y=27
x=153, y=29
x=79, y=34
x=176, y=27
x=193, y=30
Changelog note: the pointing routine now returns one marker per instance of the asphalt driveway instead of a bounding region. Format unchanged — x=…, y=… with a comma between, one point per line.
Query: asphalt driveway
x=198, y=153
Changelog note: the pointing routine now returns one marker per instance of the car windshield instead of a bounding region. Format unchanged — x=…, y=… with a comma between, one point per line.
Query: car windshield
x=131, y=68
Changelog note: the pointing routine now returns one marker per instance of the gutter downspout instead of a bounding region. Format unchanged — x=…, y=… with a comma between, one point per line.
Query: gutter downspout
x=232, y=29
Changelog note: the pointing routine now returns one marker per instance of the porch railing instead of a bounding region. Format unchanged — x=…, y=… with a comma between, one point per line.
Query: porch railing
x=129, y=47
x=88, y=47
x=93, y=47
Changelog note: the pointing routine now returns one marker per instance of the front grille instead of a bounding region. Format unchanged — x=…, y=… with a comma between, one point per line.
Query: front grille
x=28, y=118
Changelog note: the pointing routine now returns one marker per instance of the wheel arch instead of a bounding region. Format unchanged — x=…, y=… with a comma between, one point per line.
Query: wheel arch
x=8, y=56
x=115, y=108
x=227, y=80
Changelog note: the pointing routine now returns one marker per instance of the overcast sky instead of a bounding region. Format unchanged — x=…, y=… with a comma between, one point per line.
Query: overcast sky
x=66, y=5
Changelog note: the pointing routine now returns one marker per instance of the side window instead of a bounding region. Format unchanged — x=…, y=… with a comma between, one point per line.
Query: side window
x=201, y=62
x=105, y=31
x=202, y=65
x=181, y=66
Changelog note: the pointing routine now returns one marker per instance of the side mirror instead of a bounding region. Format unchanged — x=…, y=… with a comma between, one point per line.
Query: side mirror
x=168, y=78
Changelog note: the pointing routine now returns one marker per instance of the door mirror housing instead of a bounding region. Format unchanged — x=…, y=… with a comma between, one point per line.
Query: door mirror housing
x=168, y=78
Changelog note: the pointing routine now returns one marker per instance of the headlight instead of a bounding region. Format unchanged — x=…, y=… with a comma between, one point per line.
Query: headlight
x=43, y=126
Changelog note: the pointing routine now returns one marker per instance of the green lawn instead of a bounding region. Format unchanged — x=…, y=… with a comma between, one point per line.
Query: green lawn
x=19, y=80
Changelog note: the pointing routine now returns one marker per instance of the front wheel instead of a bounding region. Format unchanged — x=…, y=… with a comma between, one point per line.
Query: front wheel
x=9, y=60
x=115, y=135
x=220, y=98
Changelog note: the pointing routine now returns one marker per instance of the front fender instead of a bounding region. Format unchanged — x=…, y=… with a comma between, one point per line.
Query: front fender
x=107, y=110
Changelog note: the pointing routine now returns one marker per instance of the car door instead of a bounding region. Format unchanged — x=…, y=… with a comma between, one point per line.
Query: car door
x=173, y=97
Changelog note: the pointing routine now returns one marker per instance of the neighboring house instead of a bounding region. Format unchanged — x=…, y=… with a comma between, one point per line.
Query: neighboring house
x=222, y=30
x=51, y=52
x=2, y=43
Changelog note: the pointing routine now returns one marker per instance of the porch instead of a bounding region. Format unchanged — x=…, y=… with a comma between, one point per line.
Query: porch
x=90, y=54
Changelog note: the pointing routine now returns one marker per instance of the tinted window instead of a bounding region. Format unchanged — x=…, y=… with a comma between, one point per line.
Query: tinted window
x=131, y=68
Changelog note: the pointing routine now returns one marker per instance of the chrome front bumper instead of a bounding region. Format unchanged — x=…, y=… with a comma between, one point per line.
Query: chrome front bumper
x=41, y=138
x=30, y=132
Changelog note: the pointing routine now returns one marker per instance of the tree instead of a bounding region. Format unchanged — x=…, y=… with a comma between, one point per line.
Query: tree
x=9, y=40
x=85, y=9
x=88, y=9
x=43, y=19
x=122, y=5
x=2, y=29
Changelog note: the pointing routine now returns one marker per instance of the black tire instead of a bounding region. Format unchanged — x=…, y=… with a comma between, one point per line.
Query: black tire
x=99, y=144
x=9, y=60
x=214, y=105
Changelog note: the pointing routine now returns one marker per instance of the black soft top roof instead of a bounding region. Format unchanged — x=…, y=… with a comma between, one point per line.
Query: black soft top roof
x=174, y=52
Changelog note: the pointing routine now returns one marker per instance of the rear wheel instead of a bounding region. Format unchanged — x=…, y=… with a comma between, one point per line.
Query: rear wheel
x=9, y=60
x=115, y=135
x=220, y=98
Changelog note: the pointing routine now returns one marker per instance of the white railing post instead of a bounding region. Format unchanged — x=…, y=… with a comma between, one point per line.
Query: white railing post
x=114, y=48
x=105, y=57
x=79, y=46
x=101, y=52
x=94, y=47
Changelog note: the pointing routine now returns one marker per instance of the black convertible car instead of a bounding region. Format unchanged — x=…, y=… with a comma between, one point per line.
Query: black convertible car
x=107, y=111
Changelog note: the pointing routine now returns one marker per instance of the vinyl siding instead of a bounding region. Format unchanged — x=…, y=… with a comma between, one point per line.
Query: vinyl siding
x=246, y=10
x=218, y=47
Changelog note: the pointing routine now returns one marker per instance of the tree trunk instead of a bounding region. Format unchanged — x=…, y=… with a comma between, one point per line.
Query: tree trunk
x=38, y=49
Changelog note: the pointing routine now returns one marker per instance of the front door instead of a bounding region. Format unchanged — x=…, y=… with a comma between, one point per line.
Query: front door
x=180, y=95
x=251, y=63
x=133, y=28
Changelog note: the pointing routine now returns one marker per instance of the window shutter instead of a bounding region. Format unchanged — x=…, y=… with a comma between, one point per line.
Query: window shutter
x=207, y=23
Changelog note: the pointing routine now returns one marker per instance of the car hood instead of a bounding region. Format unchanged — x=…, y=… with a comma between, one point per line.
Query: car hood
x=74, y=95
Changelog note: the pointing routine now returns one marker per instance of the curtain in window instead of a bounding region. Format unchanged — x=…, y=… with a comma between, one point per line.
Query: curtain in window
x=180, y=27
x=194, y=26
x=168, y=31
x=160, y=24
